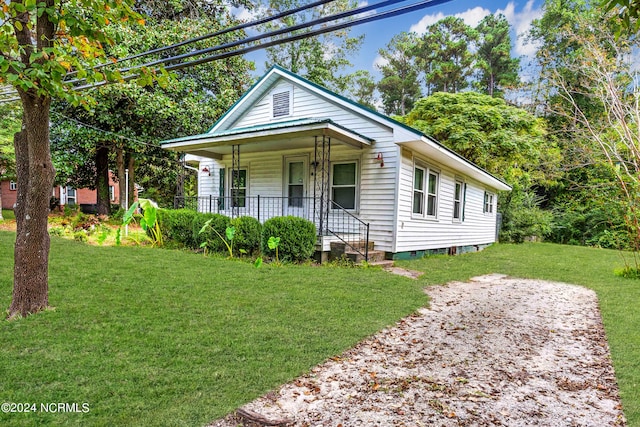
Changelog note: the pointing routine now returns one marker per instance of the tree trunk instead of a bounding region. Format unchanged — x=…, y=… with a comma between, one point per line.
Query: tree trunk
x=102, y=181
x=121, y=178
x=35, y=176
x=131, y=164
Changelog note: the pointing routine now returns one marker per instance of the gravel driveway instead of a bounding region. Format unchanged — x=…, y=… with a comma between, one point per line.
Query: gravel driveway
x=493, y=351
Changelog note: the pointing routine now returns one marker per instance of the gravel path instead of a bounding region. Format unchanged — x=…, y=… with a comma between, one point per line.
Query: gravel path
x=493, y=351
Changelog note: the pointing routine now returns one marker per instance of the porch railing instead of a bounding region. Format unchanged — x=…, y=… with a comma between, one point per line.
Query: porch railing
x=338, y=221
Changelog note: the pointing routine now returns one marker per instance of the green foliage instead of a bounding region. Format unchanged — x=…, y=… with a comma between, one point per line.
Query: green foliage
x=217, y=226
x=522, y=218
x=319, y=59
x=444, y=54
x=273, y=244
x=149, y=221
x=399, y=85
x=498, y=70
x=248, y=233
x=297, y=238
x=177, y=226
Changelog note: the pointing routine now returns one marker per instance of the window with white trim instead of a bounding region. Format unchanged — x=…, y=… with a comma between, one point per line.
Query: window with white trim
x=238, y=189
x=281, y=103
x=425, y=191
x=343, y=184
x=13, y=186
x=488, y=203
x=458, y=201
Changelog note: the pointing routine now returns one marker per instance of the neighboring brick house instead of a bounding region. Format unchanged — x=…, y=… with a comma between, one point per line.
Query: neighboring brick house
x=83, y=197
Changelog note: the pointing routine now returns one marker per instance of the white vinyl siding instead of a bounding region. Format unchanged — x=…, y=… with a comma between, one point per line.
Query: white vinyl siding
x=416, y=233
x=376, y=200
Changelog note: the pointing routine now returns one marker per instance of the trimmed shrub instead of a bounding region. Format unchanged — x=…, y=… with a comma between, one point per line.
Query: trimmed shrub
x=177, y=226
x=219, y=223
x=297, y=237
x=248, y=234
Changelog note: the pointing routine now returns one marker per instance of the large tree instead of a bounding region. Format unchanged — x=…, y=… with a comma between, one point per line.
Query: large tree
x=321, y=59
x=445, y=56
x=122, y=130
x=497, y=69
x=399, y=85
x=39, y=43
x=505, y=140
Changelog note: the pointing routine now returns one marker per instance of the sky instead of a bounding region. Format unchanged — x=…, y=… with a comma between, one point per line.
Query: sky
x=519, y=13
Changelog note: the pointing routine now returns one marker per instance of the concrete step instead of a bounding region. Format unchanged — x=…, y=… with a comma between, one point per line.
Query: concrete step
x=357, y=257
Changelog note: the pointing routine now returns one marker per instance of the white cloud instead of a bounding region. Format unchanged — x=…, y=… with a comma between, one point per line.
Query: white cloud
x=521, y=22
x=380, y=62
x=471, y=17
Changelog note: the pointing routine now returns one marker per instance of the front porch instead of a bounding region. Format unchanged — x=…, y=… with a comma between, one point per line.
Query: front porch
x=333, y=222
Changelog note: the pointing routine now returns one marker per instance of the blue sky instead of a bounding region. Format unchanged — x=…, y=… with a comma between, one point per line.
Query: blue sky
x=519, y=13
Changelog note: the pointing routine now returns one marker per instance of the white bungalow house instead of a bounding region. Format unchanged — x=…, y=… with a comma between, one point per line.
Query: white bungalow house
x=291, y=147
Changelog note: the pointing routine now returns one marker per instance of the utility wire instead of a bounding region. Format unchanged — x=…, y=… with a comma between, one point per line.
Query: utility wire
x=252, y=39
x=214, y=34
x=366, y=19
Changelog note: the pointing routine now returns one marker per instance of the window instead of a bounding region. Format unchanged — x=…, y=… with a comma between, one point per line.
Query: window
x=458, y=201
x=281, y=104
x=112, y=193
x=13, y=186
x=295, y=186
x=418, y=190
x=239, y=188
x=343, y=185
x=71, y=196
x=432, y=197
x=425, y=191
x=488, y=203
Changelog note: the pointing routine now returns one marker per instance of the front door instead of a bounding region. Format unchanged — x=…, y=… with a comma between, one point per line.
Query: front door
x=295, y=186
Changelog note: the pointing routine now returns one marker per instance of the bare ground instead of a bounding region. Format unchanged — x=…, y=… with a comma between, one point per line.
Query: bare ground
x=494, y=351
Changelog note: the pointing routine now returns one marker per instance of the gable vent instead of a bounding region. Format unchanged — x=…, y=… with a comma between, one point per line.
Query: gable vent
x=281, y=104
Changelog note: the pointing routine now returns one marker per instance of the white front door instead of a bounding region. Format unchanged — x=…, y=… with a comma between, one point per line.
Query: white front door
x=296, y=173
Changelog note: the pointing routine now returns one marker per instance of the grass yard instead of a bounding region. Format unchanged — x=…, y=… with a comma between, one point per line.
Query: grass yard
x=150, y=337
x=619, y=298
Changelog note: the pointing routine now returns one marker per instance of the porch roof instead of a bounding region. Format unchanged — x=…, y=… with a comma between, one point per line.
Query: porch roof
x=267, y=137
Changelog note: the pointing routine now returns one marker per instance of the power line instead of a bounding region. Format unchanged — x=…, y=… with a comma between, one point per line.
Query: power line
x=252, y=39
x=214, y=34
x=366, y=19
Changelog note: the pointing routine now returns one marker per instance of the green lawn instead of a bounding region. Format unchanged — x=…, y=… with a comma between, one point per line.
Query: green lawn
x=619, y=298
x=153, y=337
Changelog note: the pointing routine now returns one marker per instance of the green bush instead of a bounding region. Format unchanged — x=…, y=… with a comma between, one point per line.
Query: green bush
x=248, y=234
x=297, y=237
x=219, y=223
x=177, y=226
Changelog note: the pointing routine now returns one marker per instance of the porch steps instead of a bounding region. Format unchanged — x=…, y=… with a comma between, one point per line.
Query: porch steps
x=340, y=249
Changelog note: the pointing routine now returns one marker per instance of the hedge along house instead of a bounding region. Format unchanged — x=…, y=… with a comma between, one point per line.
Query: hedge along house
x=368, y=182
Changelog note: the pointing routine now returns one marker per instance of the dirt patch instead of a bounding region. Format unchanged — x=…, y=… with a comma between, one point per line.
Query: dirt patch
x=493, y=351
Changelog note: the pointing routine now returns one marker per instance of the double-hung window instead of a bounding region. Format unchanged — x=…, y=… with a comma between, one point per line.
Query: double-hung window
x=425, y=192
x=343, y=185
x=239, y=188
x=488, y=203
x=458, y=201
x=13, y=186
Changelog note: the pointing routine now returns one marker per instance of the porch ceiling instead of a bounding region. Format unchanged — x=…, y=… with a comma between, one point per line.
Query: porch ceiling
x=269, y=137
